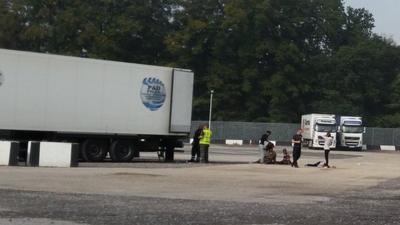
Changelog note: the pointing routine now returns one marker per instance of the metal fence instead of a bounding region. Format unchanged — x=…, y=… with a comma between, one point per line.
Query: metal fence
x=284, y=132
x=382, y=136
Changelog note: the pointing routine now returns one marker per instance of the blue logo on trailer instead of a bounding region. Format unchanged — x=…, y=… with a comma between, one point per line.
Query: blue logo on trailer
x=152, y=93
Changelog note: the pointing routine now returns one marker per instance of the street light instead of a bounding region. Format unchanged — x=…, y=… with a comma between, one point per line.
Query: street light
x=209, y=117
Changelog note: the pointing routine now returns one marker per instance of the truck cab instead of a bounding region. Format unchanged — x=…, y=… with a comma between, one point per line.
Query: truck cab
x=315, y=125
x=350, y=133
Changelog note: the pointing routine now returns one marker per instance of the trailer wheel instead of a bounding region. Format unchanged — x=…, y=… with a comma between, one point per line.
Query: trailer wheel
x=94, y=150
x=122, y=151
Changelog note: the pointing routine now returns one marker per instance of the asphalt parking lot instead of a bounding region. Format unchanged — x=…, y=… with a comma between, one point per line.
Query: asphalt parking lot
x=232, y=189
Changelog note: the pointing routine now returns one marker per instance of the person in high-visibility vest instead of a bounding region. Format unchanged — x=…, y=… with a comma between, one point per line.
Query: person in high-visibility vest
x=205, y=139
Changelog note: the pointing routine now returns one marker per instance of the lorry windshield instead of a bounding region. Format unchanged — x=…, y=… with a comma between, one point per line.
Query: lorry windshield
x=353, y=129
x=325, y=128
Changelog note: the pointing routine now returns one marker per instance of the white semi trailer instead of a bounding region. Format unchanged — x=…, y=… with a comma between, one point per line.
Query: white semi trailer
x=105, y=106
x=315, y=125
x=350, y=133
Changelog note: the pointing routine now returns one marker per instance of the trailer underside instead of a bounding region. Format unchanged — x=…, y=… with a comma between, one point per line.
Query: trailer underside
x=95, y=147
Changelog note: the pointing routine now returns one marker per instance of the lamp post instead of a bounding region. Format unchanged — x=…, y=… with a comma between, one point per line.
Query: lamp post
x=211, y=101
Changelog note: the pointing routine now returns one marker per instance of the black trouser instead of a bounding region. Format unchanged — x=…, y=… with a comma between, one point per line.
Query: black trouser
x=204, y=153
x=296, y=154
x=326, y=157
x=195, y=151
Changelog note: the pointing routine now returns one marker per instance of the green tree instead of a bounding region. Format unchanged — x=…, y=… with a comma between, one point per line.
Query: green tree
x=267, y=60
x=125, y=30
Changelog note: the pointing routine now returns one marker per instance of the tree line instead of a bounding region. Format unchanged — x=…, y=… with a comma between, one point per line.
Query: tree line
x=267, y=60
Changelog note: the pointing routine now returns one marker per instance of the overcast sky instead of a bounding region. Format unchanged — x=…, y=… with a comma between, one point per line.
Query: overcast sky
x=386, y=14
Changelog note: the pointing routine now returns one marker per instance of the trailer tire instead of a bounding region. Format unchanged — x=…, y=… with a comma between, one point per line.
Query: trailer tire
x=122, y=151
x=94, y=150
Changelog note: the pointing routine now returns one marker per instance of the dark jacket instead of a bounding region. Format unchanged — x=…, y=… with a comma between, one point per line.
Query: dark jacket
x=196, y=136
x=264, y=138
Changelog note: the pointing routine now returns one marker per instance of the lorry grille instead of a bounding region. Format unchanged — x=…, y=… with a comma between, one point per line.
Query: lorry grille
x=352, y=138
x=352, y=141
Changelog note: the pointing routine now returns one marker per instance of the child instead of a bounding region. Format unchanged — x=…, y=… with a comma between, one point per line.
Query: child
x=286, y=158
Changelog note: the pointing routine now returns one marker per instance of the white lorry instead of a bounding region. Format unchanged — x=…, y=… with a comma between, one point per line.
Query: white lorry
x=350, y=133
x=105, y=106
x=315, y=125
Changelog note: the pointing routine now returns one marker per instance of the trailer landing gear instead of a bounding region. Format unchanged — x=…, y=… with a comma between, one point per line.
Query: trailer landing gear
x=169, y=153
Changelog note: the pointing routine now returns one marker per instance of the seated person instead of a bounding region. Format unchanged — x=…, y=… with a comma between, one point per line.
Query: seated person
x=270, y=156
x=286, y=158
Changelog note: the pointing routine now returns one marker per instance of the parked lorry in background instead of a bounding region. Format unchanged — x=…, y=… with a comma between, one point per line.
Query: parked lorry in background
x=105, y=106
x=350, y=132
x=315, y=125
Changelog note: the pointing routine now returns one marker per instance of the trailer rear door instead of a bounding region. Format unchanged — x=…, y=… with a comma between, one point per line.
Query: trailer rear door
x=181, y=101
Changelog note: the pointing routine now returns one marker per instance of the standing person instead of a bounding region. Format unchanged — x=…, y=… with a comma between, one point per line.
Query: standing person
x=328, y=139
x=205, y=139
x=296, y=141
x=262, y=145
x=196, y=145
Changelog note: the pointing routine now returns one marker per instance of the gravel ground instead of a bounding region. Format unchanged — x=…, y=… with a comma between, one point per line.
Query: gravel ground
x=363, y=190
x=378, y=205
x=150, y=160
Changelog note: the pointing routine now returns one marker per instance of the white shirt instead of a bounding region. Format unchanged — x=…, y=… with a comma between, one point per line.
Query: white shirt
x=328, y=142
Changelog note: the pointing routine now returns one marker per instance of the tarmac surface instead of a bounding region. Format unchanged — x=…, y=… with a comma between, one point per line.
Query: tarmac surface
x=364, y=188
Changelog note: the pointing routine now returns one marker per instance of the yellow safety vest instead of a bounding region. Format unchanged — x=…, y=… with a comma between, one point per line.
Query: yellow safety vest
x=205, y=138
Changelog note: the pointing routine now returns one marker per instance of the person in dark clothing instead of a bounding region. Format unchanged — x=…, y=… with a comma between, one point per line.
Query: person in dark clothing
x=262, y=145
x=270, y=157
x=264, y=137
x=196, y=145
x=296, y=141
x=317, y=164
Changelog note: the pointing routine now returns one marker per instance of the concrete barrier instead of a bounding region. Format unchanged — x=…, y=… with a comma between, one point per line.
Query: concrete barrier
x=9, y=153
x=388, y=148
x=234, y=142
x=53, y=154
x=243, y=142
